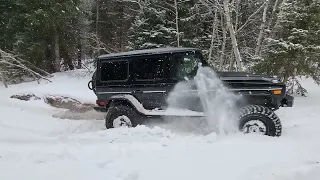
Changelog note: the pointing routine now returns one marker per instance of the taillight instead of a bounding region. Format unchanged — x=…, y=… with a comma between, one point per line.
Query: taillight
x=100, y=103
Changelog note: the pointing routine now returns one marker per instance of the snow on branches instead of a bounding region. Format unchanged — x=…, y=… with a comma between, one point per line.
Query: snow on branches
x=12, y=66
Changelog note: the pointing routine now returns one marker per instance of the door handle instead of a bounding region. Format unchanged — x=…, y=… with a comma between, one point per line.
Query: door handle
x=137, y=90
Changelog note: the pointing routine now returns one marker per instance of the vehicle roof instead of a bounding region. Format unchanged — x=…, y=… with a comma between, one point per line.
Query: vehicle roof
x=148, y=52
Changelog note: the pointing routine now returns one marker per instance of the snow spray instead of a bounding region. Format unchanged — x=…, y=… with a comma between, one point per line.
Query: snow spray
x=217, y=101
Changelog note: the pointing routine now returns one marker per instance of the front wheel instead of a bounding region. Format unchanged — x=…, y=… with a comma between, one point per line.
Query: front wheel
x=261, y=120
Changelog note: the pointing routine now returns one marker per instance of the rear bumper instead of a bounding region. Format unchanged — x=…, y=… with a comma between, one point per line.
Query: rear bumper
x=100, y=109
x=287, y=101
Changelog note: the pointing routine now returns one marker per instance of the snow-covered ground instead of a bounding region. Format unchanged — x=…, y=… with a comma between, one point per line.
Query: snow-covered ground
x=36, y=146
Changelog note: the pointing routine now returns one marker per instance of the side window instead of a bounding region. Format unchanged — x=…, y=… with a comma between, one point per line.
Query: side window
x=149, y=68
x=184, y=66
x=114, y=71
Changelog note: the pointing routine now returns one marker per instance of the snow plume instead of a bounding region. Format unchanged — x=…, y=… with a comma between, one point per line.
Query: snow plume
x=217, y=102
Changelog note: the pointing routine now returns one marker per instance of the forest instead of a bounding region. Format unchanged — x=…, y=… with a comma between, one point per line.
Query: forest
x=274, y=37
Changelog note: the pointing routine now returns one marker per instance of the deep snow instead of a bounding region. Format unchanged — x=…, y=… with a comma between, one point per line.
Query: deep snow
x=36, y=146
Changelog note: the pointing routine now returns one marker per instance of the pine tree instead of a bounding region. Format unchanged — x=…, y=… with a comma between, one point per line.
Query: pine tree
x=151, y=29
x=42, y=32
x=114, y=19
x=294, y=47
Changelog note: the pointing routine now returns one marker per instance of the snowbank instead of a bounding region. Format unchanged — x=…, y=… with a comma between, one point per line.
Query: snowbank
x=36, y=146
x=71, y=84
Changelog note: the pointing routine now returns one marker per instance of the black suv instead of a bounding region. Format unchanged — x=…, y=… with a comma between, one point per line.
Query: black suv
x=134, y=86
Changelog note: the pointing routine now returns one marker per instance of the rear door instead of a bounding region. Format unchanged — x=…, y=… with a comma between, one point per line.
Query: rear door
x=114, y=78
x=149, y=80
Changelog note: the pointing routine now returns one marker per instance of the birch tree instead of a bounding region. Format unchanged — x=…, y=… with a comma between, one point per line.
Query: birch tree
x=232, y=35
x=224, y=41
x=261, y=29
x=213, y=35
x=177, y=21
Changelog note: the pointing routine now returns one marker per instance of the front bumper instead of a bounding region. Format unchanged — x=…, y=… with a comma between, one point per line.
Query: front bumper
x=287, y=101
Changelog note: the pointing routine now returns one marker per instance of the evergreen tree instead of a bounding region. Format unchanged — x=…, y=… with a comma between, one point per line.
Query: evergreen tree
x=9, y=23
x=114, y=19
x=151, y=29
x=42, y=31
x=294, y=47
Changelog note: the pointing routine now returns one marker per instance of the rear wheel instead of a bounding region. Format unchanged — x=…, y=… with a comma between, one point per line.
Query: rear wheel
x=260, y=120
x=122, y=116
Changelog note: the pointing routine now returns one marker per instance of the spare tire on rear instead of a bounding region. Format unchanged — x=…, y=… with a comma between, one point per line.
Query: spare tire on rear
x=259, y=119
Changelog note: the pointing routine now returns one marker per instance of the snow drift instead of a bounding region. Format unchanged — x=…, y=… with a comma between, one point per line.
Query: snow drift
x=36, y=146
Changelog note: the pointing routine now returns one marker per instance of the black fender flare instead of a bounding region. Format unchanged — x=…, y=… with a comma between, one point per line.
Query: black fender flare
x=129, y=99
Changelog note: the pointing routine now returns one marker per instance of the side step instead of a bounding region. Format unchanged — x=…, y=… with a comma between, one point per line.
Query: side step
x=155, y=112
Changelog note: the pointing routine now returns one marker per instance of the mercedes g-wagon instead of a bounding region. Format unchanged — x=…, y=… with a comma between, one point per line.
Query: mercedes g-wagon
x=133, y=86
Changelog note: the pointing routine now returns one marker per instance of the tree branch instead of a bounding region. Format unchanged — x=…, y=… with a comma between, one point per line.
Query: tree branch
x=250, y=18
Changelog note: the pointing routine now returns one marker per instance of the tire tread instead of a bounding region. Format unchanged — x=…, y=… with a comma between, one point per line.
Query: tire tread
x=262, y=110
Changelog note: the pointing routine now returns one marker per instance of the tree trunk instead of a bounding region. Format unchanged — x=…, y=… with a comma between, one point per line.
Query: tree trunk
x=224, y=40
x=231, y=61
x=274, y=34
x=97, y=26
x=213, y=36
x=237, y=15
x=3, y=79
x=79, y=55
x=257, y=51
x=177, y=22
x=275, y=6
x=56, y=51
x=232, y=35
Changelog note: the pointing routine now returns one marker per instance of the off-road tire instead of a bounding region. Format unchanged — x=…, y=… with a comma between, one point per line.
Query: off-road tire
x=264, y=115
x=115, y=111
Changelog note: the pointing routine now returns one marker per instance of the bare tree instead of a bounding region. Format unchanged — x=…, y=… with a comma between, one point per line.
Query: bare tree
x=94, y=40
x=275, y=7
x=224, y=40
x=177, y=22
x=232, y=35
x=262, y=29
x=213, y=35
x=250, y=18
x=279, y=17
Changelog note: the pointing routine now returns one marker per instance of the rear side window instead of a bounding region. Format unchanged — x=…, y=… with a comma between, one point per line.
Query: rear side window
x=115, y=71
x=151, y=68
